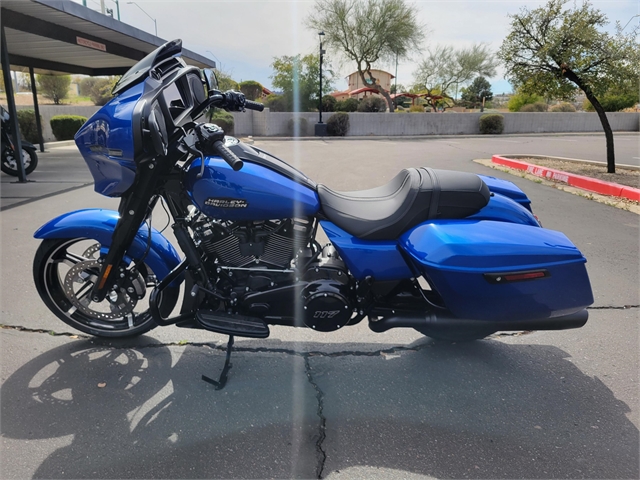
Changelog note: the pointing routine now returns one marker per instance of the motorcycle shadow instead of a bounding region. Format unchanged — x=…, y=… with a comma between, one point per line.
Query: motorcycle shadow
x=482, y=410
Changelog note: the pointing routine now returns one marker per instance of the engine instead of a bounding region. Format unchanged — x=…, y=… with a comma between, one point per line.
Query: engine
x=269, y=243
x=270, y=270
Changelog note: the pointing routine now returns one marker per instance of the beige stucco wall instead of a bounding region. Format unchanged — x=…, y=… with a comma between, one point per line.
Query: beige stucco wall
x=382, y=78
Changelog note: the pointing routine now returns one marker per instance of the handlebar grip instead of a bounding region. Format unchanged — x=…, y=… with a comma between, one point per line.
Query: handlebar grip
x=228, y=156
x=253, y=105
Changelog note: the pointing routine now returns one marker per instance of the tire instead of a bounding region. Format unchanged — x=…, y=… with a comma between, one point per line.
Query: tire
x=10, y=167
x=64, y=270
x=457, y=335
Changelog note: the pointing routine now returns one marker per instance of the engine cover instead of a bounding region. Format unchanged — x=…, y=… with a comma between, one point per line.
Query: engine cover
x=326, y=307
x=326, y=297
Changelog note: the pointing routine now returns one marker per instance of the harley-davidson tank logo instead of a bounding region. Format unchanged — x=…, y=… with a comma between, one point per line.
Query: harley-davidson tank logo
x=226, y=203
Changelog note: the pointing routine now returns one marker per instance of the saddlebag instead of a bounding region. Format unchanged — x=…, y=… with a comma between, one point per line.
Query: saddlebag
x=488, y=270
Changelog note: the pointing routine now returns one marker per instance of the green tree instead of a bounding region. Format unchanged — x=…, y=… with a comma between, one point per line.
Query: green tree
x=367, y=32
x=399, y=89
x=519, y=100
x=299, y=79
x=54, y=87
x=251, y=89
x=446, y=67
x=225, y=82
x=472, y=95
x=554, y=51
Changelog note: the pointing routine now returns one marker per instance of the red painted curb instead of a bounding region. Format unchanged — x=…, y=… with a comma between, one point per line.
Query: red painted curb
x=585, y=183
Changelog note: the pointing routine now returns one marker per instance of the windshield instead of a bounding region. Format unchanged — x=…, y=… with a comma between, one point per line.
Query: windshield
x=140, y=70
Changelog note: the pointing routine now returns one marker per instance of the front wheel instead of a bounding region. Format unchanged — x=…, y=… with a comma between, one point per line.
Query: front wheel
x=10, y=166
x=65, y=271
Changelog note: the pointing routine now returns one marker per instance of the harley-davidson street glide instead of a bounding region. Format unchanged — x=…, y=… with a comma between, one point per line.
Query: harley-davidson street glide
x=454, y=255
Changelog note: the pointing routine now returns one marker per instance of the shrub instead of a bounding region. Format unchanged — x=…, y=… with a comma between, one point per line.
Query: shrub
x=517, y=101
x=416, y=109
x=251, y=89
x=301, y=124
x=563, y=107
x=338, y=124
x=223, y=119
x=534, y=107
x=54, y=87
x=612, y=103
x=372, y=104
x=348, y=105
x=275, y=103
x=100, y=92
x=28, y=127
x=329, y=103
x=491, y=123
x=64, y=127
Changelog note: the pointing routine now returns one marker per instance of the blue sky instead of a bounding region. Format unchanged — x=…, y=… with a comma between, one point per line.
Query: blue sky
x=244, y=36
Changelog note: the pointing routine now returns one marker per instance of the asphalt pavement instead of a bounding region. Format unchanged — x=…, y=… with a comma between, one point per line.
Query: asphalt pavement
x=348, y=404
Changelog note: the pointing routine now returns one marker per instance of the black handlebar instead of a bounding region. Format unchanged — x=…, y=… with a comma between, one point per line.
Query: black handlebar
x=250, y=105
x=228, y=156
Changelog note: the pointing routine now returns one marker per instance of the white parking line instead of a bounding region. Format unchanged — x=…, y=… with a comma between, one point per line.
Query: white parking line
x=637, y=158
x=509, y=141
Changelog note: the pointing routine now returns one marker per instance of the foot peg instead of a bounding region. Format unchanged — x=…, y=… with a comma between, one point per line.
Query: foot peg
x=231, y=324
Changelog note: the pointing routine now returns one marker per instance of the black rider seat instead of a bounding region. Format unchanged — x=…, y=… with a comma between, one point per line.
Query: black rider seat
x=410, y=198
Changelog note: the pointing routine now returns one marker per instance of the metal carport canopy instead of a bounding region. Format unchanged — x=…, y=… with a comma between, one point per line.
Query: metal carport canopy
x=56, y=36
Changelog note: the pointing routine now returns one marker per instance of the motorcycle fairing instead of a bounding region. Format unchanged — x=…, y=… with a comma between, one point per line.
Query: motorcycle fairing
x=99, y=224
x=462, y=260
x=106, y=144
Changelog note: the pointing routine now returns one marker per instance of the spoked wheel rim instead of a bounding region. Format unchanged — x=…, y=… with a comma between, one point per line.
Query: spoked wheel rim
x=10, y=160
x=70, y=270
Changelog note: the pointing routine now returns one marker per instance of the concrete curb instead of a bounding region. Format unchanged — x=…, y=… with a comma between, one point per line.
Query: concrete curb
x=518, y=156
x=434, y=137
x=579, y=181
x=63, y=143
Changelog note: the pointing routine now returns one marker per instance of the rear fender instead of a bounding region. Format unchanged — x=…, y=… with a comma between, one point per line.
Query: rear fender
x=98, y=224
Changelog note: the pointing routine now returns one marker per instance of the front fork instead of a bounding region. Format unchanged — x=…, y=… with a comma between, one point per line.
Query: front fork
x=133, y=209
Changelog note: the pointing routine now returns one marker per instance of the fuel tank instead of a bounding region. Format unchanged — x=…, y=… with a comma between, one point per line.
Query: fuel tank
x=256, y=192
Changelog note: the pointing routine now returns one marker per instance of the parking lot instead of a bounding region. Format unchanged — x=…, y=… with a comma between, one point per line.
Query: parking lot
x=348, y=404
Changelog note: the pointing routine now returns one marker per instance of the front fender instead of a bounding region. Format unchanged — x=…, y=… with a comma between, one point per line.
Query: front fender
x=99, y=224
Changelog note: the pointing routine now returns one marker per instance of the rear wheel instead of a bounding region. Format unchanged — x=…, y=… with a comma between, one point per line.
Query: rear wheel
x=10, y=165
x=457, y=335
x=65, y=271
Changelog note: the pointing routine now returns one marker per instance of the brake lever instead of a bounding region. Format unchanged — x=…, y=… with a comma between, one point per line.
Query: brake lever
x=191, y=148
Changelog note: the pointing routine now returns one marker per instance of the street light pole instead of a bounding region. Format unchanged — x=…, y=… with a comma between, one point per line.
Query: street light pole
x=154, y=20
x=320, y=128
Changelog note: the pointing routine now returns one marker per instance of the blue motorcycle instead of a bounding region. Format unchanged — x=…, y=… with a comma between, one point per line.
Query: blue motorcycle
x=454, y=255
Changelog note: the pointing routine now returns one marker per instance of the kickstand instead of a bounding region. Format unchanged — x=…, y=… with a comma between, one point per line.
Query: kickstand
x=222, y=381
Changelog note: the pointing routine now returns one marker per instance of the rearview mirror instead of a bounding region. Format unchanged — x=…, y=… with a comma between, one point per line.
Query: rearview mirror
x=210, y=80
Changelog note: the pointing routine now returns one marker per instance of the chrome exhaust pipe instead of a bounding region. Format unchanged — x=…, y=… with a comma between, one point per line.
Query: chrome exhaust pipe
x=445, y=320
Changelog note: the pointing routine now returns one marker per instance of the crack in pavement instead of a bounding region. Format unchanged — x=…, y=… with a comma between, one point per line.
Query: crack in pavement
x=624, y=307
x=322, y=455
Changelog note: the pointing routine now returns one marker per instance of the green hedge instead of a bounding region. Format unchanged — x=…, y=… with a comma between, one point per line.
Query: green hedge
x=28, y=127
x=563, y=107
x=372, y=104
x=338, y=124
x=64, y=127
x=491, y=123
x=348, y=105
